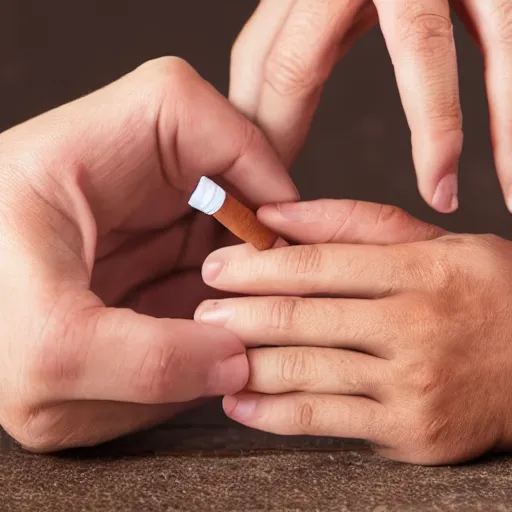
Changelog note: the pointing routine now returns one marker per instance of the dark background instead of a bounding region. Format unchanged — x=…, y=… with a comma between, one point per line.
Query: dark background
x=53, y=51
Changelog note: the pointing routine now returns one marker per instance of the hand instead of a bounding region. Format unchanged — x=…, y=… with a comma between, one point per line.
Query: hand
x=94, y=215
x=388, y=330
x=286, y=52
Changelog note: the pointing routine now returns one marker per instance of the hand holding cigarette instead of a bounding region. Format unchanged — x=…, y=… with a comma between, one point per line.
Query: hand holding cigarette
x=100, y=262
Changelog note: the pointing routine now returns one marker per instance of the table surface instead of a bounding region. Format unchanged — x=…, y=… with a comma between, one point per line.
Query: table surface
x=202, y=461
x=51, y=52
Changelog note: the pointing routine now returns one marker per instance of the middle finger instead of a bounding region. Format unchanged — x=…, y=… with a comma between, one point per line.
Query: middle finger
x=420, y=40
x=328, y=269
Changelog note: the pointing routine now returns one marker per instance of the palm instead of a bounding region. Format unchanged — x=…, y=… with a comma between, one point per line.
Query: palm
x=157, y=271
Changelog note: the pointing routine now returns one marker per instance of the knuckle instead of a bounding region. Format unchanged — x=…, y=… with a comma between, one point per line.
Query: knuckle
x=304, y=417
x=412, y=265
x=443, y=275
x=427, y=33
x=430, y=431
x=288, y=74
x=282, y=313
x=155, y=375
x=425, y=379
x=305, y=260
x=444, y=113
x=389, y=215
x=502, y=16
x=296, y=368
x=165, y=69
x=473, y=257
x=434, y=269
x=250, y=137
x=484, y=244
x=437, y=434
x=295, y=66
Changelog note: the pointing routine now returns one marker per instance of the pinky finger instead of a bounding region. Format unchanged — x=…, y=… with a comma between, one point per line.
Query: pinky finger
x=309, y=414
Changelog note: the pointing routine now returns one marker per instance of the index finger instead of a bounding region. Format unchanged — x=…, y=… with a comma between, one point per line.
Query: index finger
x=419, y=37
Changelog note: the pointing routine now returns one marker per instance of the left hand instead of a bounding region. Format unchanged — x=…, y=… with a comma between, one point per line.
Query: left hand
x=100, y=256
x=405, y=342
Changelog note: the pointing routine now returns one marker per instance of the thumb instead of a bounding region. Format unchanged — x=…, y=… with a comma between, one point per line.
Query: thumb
x=345, y=221
x=129, y=357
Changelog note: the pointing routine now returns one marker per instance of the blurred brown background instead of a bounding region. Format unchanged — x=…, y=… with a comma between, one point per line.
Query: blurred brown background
x=55, y=50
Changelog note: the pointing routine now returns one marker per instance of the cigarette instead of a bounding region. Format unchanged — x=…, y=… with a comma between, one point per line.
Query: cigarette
x=210, y=198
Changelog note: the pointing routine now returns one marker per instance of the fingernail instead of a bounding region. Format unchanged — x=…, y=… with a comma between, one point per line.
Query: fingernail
x=212, y=269
x=445, y=198
x=213, y=313
x=293, y=211
x=228, y=376
x=238, y=408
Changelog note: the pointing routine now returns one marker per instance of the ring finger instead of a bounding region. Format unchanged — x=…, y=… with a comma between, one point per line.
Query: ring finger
x=363, y=325
x=316, y=370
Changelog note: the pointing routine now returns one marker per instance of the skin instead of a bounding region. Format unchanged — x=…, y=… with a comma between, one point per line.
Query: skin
x=100, y=256
x=379, y=327
x=288, y=49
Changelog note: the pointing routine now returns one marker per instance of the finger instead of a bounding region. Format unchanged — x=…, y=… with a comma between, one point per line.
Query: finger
x=123, y=356
x=250, y=52
x=309, y=414
x=333, y=270
x=315, y=370
x=248, y=58
x=152, y=133
x=420, y=40
x=367, y=326
x=346, y=221
x=296, y=64
x=493, y=23
x=88, y=423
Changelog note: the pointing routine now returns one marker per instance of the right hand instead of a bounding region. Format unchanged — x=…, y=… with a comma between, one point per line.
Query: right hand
x=288, y=49
x=94, y=216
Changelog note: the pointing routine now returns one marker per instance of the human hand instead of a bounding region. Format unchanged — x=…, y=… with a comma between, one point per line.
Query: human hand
x=387, y=329
x=93, y=216
x=286, y=52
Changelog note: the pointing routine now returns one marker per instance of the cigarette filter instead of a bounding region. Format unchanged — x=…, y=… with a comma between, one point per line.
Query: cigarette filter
x=210, y=198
